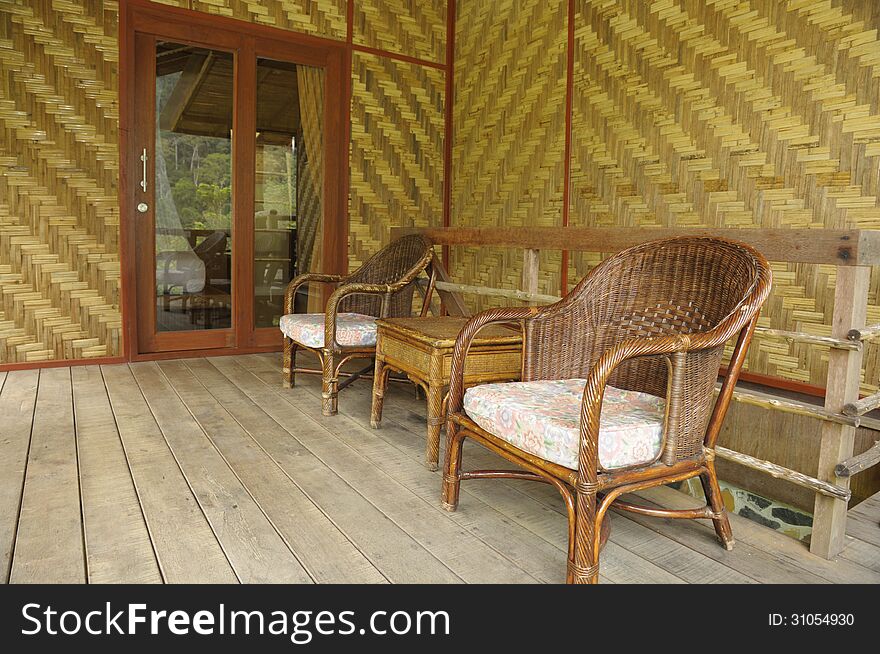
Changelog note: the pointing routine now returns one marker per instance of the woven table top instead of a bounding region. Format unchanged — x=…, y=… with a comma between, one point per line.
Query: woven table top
x=441, y=331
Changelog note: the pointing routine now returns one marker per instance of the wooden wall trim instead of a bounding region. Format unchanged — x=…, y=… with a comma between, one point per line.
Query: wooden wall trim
x=840, y=247
x=61, y=363
x=450, y=122
x=566, y=182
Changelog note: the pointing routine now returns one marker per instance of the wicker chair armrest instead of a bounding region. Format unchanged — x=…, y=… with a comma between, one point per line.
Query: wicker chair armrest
x=355, y=288
x=633, y=348
x=299, y=280
x=594, y=392
x=463, y=343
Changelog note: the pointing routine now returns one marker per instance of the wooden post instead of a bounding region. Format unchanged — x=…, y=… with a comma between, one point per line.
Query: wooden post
x=530, y=271
x=842, y=387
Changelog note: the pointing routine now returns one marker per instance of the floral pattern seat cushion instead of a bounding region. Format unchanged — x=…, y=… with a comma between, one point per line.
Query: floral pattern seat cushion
x=352, y=329
x=543, y=418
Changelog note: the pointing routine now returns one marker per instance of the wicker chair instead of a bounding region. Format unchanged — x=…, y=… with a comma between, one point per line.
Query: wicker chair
x=640, y=341
x=382, y=287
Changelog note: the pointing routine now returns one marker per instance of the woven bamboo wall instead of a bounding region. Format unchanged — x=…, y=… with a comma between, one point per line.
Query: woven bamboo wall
x=320, y=17
x=397, y=123
x=733, y=114
x=416, y=29
x=59, y=214
x=508, y=158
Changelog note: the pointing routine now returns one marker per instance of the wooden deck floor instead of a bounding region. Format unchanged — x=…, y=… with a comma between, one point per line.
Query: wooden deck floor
x=206, y=470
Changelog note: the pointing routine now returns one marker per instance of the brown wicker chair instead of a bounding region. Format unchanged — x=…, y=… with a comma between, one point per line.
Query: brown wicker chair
x=650, y=322
x=382, y=287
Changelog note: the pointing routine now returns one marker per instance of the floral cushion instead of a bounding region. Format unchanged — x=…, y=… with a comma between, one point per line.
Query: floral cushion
x=352, y=329
x=543, y=418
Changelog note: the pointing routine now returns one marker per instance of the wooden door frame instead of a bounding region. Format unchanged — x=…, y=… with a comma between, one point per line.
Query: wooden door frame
x=142, y=16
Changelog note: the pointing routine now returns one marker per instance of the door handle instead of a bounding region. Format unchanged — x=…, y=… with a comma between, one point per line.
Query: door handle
x=144, y=178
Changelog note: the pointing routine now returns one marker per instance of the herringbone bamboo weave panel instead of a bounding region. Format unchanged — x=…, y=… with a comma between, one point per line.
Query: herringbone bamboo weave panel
x=185, y=4
x=721, y=113
x=59, y=210
x=416, y=28
x=321, y=17
x=397, y=124
x=509, y=131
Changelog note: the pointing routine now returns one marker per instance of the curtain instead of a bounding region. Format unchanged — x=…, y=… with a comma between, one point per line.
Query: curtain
x=310, y=173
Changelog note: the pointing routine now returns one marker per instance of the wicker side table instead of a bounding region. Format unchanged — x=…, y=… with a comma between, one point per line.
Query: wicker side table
x=421, y=348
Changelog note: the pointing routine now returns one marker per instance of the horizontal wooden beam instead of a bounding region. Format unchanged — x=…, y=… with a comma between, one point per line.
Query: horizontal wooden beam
x=841, y=247
x=862, y=406
x=865, y=333
x=779, y=472
x=863, y=461
x=490, y=291
x=802, y=337
x=767, y=401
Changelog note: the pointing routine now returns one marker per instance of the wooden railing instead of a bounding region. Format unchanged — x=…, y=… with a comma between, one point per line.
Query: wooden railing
x=851, y=251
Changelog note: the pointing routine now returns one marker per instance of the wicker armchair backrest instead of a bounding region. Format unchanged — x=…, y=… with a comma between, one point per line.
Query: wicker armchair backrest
x=665, y=288
x=389, y=265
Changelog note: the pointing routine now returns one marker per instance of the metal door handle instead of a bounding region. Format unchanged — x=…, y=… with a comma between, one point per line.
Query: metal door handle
x=144, y=178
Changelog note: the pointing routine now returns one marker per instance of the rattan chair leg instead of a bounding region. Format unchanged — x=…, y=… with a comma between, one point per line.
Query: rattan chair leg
x=585, y=568
x=380, y=385
x=330, y=385
x=716, y=503
x=289, y=363
x=452, y=469
x=568, y=498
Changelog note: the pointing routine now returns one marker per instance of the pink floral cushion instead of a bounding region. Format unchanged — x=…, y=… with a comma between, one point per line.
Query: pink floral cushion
x=352, y=329
x=543, y=418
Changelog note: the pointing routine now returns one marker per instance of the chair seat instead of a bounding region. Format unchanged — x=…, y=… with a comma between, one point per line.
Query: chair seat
x=543, y=418
x=352, y=329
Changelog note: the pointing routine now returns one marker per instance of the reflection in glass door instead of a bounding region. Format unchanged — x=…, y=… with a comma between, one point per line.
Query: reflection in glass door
x=193, y=188
x=288, y=183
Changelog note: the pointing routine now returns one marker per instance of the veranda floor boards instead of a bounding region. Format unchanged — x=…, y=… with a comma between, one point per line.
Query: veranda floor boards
x=206, y=470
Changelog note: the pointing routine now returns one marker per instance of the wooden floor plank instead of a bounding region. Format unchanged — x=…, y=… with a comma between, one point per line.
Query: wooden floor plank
x=745, y=531
x=521, y=511
x=863, y=529
x=699, y=535
x=17, y=400
x=477, y=510
x=478, y=517
x=118, y=547
x=256, y=551
x=467, y=556
x=865, y=554
x=388, y=547
x=867, y=530
x=49, y=543
x=402, y=408
x=187, y=549
x=324, y=551
x=323, y=498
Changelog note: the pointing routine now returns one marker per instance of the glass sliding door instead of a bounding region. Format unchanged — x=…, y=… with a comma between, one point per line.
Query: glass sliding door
x=228, y=167
x=193, y=188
